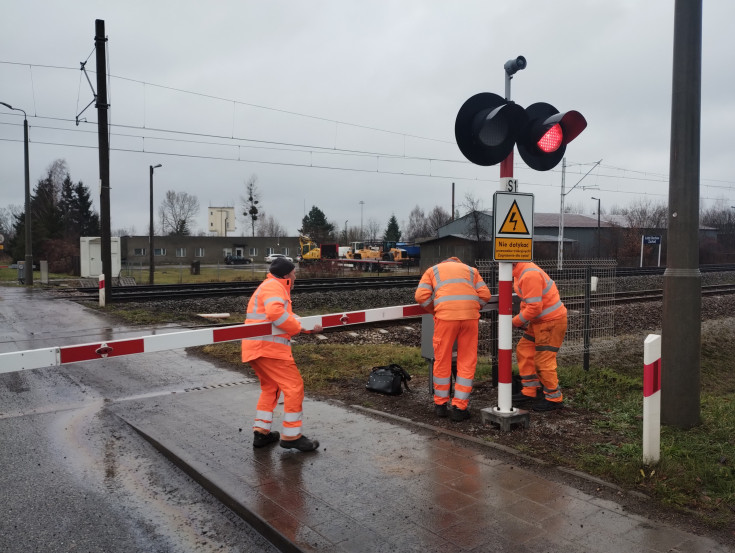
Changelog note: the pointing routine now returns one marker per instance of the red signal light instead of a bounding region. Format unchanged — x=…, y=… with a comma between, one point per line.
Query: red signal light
x=551, y=140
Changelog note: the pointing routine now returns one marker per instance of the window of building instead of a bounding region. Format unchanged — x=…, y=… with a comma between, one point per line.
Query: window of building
x=252, y=252
x=159, y=252
x=180, y=252
x=139, y=251
x=198, y=252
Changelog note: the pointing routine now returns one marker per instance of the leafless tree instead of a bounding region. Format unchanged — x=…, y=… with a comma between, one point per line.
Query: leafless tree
x=646, y=214
x=372, y=230
x=475, y=228
x=641, y=217
x=124, y=231
x=268, y=226
x=574, y=207
x=418, y=225
x=251, y=202
x=8, y=216
x=177, y=212
x=437, y=218
x=57, y=172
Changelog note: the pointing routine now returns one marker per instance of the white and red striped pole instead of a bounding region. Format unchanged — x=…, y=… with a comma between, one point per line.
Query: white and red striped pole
x=505, y=310
x=505, y=337
x=652, y=399
x=102, y=290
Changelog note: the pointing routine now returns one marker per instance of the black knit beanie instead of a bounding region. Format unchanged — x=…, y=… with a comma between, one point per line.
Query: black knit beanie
x=281, y=266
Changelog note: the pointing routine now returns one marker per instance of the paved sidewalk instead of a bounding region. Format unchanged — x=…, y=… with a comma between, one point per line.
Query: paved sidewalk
x=378, y=486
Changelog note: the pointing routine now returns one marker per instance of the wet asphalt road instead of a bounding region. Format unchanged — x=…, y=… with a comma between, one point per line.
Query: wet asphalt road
x=73, y=476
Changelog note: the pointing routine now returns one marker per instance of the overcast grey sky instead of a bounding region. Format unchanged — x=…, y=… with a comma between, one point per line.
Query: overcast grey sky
x=331, y=103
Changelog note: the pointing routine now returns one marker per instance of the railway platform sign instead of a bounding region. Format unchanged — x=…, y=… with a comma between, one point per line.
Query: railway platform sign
x=513, y=226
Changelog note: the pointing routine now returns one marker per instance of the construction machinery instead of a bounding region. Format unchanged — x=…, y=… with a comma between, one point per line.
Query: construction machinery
x=387, y=251
x=310, y=251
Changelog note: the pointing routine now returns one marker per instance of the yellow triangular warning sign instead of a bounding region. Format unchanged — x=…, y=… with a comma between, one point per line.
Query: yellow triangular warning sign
x=514, y=223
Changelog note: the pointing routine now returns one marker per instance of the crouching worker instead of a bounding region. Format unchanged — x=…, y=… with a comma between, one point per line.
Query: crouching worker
x=454, y=293
x=272, y=360
x=543, y=319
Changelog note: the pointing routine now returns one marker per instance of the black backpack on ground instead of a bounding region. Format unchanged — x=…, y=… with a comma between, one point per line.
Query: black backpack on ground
x=388, y=380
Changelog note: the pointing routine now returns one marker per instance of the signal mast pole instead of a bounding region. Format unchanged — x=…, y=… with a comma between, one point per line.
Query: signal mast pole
x=505, y=277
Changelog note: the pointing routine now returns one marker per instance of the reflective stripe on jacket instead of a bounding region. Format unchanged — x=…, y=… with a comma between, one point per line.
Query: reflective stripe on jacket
x=539, y=296
x=452, y=291
x=271, y=302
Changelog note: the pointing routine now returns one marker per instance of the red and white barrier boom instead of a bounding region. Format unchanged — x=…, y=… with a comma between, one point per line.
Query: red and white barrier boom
x=55, y=356
x=652, y=399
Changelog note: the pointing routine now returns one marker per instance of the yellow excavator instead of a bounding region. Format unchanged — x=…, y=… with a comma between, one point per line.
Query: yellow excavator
x=311, y=251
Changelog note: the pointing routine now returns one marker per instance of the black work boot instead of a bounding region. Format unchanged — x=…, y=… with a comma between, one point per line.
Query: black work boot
x=459, y=415
x=520, y=397
x=262, y=440
x=546, y=405
x=302, y=444
x=441, y=410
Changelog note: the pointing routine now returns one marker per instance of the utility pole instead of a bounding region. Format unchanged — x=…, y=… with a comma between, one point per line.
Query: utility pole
x=28, y=264
x=598, y=226
x=361, y=235
x=100, y=43
x=681, y=326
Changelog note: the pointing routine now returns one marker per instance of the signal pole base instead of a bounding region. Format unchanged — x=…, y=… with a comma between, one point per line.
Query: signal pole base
x=506, y=420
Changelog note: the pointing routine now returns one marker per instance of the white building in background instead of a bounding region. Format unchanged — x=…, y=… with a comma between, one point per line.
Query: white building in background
x=221, y=220
x=90, y=256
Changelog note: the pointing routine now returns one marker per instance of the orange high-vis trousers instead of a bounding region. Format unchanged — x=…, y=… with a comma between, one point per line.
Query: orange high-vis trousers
x=276, y=376
x=445, y=334
x=536, y=354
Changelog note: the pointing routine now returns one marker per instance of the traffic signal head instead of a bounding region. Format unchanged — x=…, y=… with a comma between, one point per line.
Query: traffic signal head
x=487, y=127
x=545, y=138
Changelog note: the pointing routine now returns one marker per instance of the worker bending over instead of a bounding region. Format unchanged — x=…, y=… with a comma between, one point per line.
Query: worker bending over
x=454, y=293
x=543, y=319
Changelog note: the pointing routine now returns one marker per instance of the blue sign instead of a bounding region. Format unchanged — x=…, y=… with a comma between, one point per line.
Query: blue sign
x=651, y=240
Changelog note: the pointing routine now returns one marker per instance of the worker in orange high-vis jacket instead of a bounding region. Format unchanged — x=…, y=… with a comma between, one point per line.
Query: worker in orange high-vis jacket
x=271, y=359
x=454, y=293
x=543, y=319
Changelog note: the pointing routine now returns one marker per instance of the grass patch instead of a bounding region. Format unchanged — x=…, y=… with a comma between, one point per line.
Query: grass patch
x=322, y=367
x=697, y=467
x=166, y=274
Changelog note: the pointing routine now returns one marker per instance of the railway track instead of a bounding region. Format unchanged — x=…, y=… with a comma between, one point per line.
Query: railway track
x=225, y=289
x=229, y=289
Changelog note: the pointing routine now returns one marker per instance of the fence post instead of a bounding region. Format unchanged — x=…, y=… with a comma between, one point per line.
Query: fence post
x=587, y=302
x=652, y=399
x=102, y=290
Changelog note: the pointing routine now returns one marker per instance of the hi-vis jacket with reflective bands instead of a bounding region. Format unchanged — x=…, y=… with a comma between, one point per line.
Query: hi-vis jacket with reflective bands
x=539, y=296
x=271, y=302
x=452, y=291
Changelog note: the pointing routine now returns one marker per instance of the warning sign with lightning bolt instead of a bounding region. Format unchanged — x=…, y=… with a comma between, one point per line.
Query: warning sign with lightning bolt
x=514, y=223
x=513, y=218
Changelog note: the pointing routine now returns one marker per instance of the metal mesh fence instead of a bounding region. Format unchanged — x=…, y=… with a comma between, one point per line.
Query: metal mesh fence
x=587, y=288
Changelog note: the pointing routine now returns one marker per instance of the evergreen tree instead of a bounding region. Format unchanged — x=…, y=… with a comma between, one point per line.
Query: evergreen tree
x=392, y=232
x=61, y=212
x=315, y=226
x=87, y=221
x=46, y=216
x=66, y=207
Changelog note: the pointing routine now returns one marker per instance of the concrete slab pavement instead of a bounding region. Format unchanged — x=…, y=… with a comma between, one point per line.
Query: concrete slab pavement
x=377, y=486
